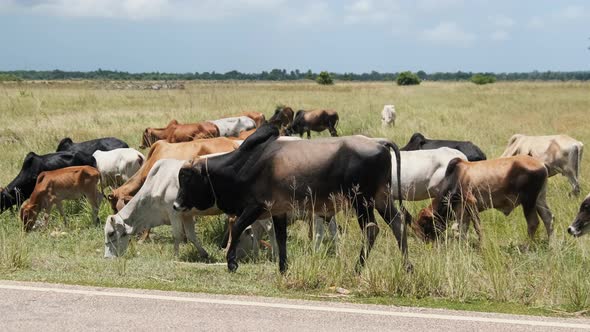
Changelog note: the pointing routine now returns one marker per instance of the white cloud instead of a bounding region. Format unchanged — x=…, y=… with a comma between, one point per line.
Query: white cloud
x=572, y=13
x=500, y=35
x=501, y=21
x=448, y=33
x=143, y=9
x=314, y=13
x=437, y=4
x=536, y=22
x=370, y=11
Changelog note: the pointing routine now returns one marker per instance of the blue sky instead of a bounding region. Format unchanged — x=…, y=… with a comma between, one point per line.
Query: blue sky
x=256, y=35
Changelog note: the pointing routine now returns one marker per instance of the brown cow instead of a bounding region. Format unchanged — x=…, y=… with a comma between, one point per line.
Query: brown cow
x=282, y=117
x=176, y=132
x=502, y=184
x=162, y=150
x=317, y=120
x=53, y=187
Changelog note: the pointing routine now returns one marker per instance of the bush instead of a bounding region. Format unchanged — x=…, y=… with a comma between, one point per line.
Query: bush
x=483, y=79
x=324, y=78
x=407, y=78
x=9, y=77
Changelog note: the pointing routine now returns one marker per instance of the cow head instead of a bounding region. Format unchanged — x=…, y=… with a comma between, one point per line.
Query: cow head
x=116, y=236
x=195, y=189
x=148, y=138
x=388, y=115
x=28, y=214
x=282, y=116
x=581, y=224
x=415, y=143
x=425, y=225
x=118, y=203
x=64, y=144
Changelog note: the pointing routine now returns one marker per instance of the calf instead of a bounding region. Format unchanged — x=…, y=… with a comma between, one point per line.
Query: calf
x=53, y=187
x=162, y=150
x=22, y=186
x=118, y=165
x=419, y=142
x=581, y=224
x=560, y=153
x=89, y=147
x=267, y=177
x=317, y=120
x=152, y=207
x=388, y=116
x=502, y=184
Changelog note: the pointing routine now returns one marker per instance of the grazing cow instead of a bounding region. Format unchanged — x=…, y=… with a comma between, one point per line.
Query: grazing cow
x=317, y=120
x=560, y=153
x=502, y=184
x=282, y=117
x=419, y=142
x=267, y=177
x=581, y=224
x=227, y=127
x=89, y=147
x=55, y=186
x=176, y=132
x=22, y=186
x=152, y=207
x=118, y=165
x=388, y=116
x=162, y=150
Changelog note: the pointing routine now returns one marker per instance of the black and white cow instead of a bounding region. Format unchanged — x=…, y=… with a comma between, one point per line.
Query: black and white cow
x=419, y=142
x=89, y=147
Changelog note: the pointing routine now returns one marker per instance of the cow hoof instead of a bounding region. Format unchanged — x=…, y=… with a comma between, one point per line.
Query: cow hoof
x=232, y=266
x=409, y=267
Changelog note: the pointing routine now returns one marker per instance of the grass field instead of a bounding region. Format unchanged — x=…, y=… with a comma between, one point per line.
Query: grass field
x=502, y=274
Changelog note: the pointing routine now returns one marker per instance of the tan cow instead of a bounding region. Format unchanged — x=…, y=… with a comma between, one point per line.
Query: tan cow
x=560, y=153
x=502, y=184
x=53, y=187
x=176, y=132
x=161, y=150
x=316, y=120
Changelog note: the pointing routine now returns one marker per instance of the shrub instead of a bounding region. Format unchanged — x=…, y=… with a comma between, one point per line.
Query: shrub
x=9, y=77
x=483, y=79
x=324, y=78
x=407, y=78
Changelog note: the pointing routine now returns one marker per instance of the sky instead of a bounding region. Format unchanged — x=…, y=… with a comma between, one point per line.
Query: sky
x=255, y=35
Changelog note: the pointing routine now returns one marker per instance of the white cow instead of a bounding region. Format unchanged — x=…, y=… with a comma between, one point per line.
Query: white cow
x=152, y=206
x=388, y=116
x=118, y=165
x=560, y=153
x=232, y=127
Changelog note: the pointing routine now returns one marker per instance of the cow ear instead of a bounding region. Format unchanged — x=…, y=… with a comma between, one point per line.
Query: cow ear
x=128, y=229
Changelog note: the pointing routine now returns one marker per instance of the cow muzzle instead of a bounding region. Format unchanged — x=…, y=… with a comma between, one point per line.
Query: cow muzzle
x=178, y=207
x=573, y=231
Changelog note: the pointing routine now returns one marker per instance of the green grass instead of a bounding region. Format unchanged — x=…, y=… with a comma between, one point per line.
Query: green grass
x=505, y=273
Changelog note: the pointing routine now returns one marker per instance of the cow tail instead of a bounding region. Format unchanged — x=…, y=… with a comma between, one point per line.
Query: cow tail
x=396, y=150
x=575, y=157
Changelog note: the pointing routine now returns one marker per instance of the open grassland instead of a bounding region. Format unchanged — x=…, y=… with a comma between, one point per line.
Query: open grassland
x=504, y=273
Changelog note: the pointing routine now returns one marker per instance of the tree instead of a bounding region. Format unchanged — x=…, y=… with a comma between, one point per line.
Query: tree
x=324, y=78
x=407, y=78
x=483, y=79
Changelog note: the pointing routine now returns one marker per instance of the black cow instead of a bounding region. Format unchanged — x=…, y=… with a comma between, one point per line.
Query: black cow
x=22, y=186
x=267, y=177
x=470, y=150
x=89, y=147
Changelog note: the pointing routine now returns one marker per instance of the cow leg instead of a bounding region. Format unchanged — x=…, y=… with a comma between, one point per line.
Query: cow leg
x=95, y=199
x=366, y=219
x=571, y=176
x=333, y=131
x=176, y=223
x=393, y=219
x=333, y=229
x=545, y=213
x=246, y=219
x=61, y=212
x=308, y=133
x=319, y=230
x=280, y=226
x=189, y=229
x=530, y=213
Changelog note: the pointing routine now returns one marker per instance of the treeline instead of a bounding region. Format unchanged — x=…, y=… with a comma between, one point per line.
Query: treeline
x=280, y=75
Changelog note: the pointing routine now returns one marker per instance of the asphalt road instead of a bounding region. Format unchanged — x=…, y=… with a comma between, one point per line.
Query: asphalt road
x=53, y=307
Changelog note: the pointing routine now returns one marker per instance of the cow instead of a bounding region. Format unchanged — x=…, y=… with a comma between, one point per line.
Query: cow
x=267, y=177
x=581, y=224
x=316, y=120
x=152, y=206
x=560, y=153
x=258, y=117
x=91, y=146
x=282, y=117
x=23, y=184
x=163, y=150
x=227, y=127
x=118, y=165
x=388, y=116
x=53, y=187
x=176, y=132
x=419, y=142
x=471, y=187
